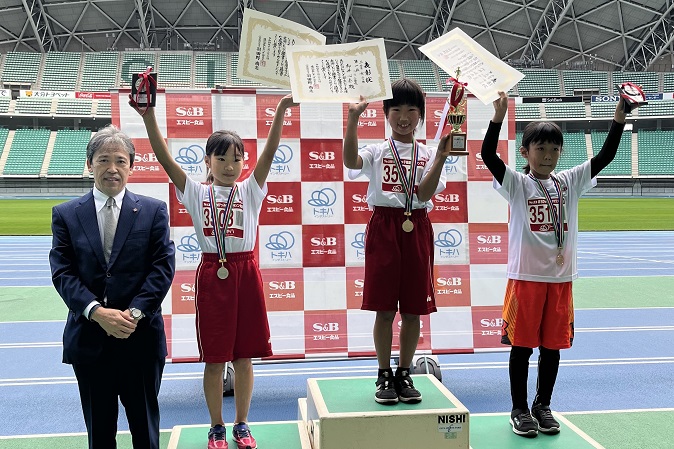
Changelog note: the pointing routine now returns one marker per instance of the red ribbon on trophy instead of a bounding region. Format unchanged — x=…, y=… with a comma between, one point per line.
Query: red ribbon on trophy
x=143, y=90
x=456, y=94
x=632, y=95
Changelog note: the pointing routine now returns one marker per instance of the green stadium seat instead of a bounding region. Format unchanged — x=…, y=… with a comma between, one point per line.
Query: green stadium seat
x=135, y=62
x=655, y=152
x=583, y=80
x=423, y=72
x=211, y=70
x=527, y=111
x=67, y=106
x=33, y=106
x=60, y=71
x=69, y=153
x=622, y=164
x=668, y=82
x=175, y=69
x=21, y=68
x=539, y=83
x=657, y=108
x=27, y=152
x=394, y=71
x=647, y=80
x=99, y=72
x=564, y=110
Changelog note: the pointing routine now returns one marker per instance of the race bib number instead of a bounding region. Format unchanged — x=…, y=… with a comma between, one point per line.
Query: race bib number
x=540, y=219
x=390, y=176
x=234, y=224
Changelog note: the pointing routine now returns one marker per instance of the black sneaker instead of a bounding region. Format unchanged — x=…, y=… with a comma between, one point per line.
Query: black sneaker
x=546, y=422
x=386, y=392
x=405, y=388
x=523, y=423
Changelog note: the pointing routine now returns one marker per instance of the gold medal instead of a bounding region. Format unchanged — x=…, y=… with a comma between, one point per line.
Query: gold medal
x=408, y=225
x=223, y=272
x=560, y=259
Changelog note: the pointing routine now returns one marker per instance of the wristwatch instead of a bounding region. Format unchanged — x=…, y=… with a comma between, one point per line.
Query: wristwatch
x=136, y=314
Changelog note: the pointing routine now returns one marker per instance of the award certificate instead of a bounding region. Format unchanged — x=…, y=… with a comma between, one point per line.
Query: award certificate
x=264, y=42
x=483, y=73
x=339, y=73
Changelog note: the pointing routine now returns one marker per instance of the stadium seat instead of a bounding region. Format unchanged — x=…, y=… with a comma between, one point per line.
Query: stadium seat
x=622, y=164
x=69, y=153
x=423, y=72
x=655, y=152
x=21, y=68
x=60, y=71
x=211, y=69
x=27, y=152
x=99, y=72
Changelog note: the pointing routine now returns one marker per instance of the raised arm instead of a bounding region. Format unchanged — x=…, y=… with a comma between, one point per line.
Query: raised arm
x=265, y=159
x=429, y=184
x=173, y=170
x=610, y=147
x=351, y=158
x=490, y=142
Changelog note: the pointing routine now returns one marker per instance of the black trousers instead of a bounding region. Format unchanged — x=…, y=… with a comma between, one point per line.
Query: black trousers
x=135, y=382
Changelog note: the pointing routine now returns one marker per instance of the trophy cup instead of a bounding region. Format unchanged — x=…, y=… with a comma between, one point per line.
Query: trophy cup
x=144, y=88
x=456, y=116
x=632, y=96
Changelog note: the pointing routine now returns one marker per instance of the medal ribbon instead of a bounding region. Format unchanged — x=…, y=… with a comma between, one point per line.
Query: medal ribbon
x=408, y=185
x=557, y=221
x=143, y=88
x=218, y=232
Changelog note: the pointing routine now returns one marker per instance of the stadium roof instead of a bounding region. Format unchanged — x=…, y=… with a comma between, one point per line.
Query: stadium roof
x=564, y=34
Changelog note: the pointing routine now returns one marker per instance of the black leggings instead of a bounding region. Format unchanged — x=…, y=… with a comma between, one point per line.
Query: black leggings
x=548, y=366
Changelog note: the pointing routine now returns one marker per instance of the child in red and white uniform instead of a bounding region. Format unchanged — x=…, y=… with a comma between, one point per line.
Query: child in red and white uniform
x=399, y=236
x=231, y=316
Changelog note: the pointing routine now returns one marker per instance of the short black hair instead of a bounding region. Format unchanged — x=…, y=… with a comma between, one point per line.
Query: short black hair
x=406, y=91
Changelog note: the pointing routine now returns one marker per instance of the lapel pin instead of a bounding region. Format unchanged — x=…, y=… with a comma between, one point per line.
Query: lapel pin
x=135, y=210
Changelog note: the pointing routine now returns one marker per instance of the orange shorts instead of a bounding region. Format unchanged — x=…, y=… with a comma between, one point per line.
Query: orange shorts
x=538, y=314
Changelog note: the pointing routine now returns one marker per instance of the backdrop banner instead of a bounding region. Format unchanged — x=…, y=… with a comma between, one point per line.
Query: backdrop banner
x=310, y=243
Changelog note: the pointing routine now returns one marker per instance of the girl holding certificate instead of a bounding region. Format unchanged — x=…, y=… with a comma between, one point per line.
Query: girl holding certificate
x=404, y=174
x=543, y=232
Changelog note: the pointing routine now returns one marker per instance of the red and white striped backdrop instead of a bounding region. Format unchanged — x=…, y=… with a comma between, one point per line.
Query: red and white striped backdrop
x=311, y=256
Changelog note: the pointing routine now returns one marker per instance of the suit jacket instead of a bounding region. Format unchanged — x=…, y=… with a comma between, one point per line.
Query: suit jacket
x=139, y=274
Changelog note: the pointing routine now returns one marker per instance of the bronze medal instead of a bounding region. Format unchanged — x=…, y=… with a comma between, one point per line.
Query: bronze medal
x=223, y=273
x=408, y=225
x=560, y=259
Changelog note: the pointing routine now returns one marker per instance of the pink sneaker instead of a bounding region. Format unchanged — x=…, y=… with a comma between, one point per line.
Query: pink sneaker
x=242, y=436
x=217, y=437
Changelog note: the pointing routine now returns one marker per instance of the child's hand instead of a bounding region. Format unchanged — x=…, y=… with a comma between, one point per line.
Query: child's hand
x=144, y=111
x=443, y=148
x=500, y=107
x=286, y=102
x=355, y=109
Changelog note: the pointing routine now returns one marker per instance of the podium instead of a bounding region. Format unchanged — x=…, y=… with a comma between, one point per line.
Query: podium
x=341, y=413
x=278, y=434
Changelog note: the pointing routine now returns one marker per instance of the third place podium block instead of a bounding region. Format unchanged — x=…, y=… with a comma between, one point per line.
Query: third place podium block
x=341, y=413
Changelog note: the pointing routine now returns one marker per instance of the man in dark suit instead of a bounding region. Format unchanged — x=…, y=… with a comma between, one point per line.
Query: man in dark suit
x=112, y=262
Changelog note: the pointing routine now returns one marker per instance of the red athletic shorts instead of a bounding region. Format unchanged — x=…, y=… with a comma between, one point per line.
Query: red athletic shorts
x=231, y=314
x=399, y=264
x=538, y=314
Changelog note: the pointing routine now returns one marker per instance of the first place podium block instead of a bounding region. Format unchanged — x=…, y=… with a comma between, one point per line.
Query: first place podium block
x=341, y=413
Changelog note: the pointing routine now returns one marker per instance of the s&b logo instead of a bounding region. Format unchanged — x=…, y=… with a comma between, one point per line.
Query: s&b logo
x=326, y=327
x=282, y=285
x=322, y=155
x=280, y=199
x=489, y=239
x=194, y=111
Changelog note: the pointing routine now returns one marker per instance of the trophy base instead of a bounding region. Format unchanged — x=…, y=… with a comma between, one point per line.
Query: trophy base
x=142, y=96
x=457, y=144
x=458, y=153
